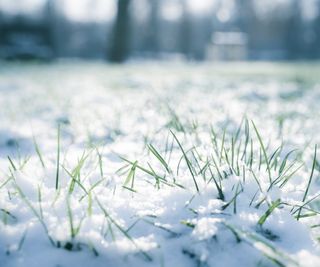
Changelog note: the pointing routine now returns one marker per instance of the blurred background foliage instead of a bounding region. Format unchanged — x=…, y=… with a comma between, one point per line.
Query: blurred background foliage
x=117, y=30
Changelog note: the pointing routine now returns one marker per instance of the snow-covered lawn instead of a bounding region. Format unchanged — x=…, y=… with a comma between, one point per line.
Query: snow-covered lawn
x=159, y=165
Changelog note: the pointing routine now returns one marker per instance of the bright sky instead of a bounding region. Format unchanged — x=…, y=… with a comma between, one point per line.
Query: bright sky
x=201, y=6
x=79, y=10
x=20, y=6
x=100, y=10
x=83, y=10
x=104, y=10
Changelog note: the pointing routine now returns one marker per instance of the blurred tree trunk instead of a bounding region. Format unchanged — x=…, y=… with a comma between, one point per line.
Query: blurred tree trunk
x=248, y=23
x=120, y=37
x=1, y=23
x=185, y=31
x=152, y=42
x=294, y=38
x=50, y=11
x=316, y=47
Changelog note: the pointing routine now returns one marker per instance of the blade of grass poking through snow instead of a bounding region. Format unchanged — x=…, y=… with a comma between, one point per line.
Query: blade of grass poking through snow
x=169, y=149
x=247, y=135
x=310, y=179
x=12, y=164
x=196, y=156
x=36, y=147
x=100, y=163
x=130, y=176
x=265, y=216
x=5, y=182
x=123, y=231
x=159, y=157
x=182, y=158
x=218, y=169
x=88, y=192
x=73, y=230
x=232, y=153
x=22, y=163
x=222, y=145
x=260, y=159
x=75, y=174
x=237, y=193
x=23, y=238
x=274, y=254
x=6, y=214
x=284, y=161
x=256, y=179
x=40, y=202
x=264, y=151
x=275, y=155
x=239, y=130
x=305, y=204
x=237, y=158
x=34, y=211
x=219, y=187
x=286, y=178
x=151, y=173
x=73, y=182
x=155, y=176
x=58, y=158
x=235, y=199
x=160, y=226
x=228, y=162
x=250, y=161
x=214, y=142
x=189, y=165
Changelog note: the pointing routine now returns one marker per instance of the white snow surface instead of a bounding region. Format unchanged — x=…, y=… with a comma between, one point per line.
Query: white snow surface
x=108, y=212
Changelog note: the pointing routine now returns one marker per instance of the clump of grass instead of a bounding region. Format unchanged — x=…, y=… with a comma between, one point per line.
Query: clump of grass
x=123, y=231
x=231, y=155
x=175, y=122
x=74, y=230
x=269, y=250
x=36, y=213
x=188, y=162
x=75, y=174
x=151, y=172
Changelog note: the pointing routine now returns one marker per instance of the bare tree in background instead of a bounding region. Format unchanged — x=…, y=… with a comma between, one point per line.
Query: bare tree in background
x=316, y=48
x=1, y=22
x=185, y=31
x=294, y=38
x=120, y=37
x=50, y=20
x=152, y=40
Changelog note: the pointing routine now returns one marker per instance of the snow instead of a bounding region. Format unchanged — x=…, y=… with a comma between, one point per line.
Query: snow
x=111, y=113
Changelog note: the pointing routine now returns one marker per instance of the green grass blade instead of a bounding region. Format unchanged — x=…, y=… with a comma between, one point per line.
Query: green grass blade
x=58, y=158
x=269, y=211
x=310, y=179
x=264, y=151
x=189, y=165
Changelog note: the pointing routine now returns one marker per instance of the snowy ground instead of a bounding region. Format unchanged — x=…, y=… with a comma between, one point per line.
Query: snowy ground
x=159, y=165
